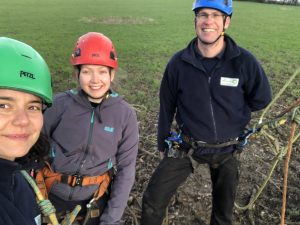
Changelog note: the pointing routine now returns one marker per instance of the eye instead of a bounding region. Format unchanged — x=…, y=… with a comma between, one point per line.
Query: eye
x=84, y=71
x=35, y=107
x=103, y=71
x=217, y=15
x=4, y=106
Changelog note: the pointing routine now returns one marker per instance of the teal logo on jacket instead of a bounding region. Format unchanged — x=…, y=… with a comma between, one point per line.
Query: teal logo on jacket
x=109, y=129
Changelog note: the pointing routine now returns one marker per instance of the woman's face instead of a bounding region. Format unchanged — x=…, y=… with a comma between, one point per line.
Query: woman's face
x=95, y=80
x=21, y=121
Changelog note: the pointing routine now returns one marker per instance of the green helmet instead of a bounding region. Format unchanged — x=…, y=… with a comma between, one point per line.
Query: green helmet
x=22, y=68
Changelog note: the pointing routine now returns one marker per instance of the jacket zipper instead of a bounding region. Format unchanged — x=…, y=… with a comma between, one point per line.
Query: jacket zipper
x=212, y=110
x=86, y=149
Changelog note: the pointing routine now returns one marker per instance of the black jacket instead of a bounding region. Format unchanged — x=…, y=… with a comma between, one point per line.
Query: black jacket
x=216, y=106
x=17, y=200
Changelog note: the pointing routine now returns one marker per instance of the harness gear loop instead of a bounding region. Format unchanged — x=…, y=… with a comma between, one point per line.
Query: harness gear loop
x=89, y=211
x=194, y=163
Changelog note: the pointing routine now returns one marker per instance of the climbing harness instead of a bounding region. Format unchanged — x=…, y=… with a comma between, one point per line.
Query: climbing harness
x=198, y=144
x=177, y=139
x=46, y=178
x=176, y=150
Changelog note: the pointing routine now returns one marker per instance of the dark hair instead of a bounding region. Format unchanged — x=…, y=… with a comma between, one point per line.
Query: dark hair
x=38, y=154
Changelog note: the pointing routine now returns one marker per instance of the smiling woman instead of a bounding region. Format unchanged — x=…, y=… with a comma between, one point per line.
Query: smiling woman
x=20, y=122
x=25, y=85
x=93, y=130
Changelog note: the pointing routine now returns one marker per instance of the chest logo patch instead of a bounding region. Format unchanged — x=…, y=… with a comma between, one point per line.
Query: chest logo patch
x=109, y=129
x=229, y=82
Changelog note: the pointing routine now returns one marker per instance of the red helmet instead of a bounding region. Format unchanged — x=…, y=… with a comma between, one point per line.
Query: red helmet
x=96, y=49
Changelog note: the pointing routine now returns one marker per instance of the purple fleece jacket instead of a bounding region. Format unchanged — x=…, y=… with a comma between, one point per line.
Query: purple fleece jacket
x=90, y=141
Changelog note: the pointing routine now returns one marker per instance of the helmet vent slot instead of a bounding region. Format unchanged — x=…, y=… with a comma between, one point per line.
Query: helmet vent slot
x=27, y=56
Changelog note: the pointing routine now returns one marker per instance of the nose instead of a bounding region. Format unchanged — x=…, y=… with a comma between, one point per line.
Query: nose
x=95, y=78
x=21, y=118
x=209, y=18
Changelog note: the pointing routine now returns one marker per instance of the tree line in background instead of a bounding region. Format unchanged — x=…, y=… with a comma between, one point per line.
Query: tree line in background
x=282, y=2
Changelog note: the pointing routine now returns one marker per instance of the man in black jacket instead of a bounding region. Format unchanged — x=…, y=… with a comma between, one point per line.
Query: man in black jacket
x=211, y=87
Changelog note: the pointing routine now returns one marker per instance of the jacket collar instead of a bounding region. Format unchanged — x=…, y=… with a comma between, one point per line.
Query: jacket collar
x=7, y=170
x=189, y=54
x=82, y=99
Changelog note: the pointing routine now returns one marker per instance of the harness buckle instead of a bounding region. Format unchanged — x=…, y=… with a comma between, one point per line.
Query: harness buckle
x=77, y=180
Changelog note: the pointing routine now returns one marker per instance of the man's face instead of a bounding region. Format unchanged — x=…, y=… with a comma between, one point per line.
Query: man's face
x=209, y=24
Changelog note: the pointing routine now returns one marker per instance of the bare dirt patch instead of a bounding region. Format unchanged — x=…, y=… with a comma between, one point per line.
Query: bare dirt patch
x=117, y=20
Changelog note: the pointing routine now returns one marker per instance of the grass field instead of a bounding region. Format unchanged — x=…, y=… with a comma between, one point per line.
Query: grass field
x=146, y=34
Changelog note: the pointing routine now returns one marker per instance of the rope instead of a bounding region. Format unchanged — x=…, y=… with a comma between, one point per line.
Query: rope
x=295, y=120
x=286, y=168
x=46, y=206
x=70, y=217
x=39, y=196
x=278, y=94
x=263, y=185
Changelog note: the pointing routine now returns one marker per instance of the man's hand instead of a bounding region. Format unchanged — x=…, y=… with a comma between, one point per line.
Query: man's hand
x=161, y=154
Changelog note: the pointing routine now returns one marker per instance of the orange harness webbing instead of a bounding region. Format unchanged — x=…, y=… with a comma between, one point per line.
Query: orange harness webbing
x=45, y=179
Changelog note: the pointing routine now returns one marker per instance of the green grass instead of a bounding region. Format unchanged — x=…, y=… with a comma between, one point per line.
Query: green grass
x=146, y=34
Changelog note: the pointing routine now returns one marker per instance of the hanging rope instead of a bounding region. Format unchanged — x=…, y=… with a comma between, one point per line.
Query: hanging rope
x=279, y=94
x=49, y=209
x=46, y=206
x=280, y=153
x=279, y=157
x=286, y=168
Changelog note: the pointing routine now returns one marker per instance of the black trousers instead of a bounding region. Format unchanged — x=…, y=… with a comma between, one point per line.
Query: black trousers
x=171, y=173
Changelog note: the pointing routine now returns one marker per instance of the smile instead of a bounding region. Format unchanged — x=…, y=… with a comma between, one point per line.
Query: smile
x=208, y=30
x=16, y=137
x=95, y=87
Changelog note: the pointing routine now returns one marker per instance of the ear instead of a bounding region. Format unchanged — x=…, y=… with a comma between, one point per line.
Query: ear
x=76, y=71
x=227, y=22
x=112, y=75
